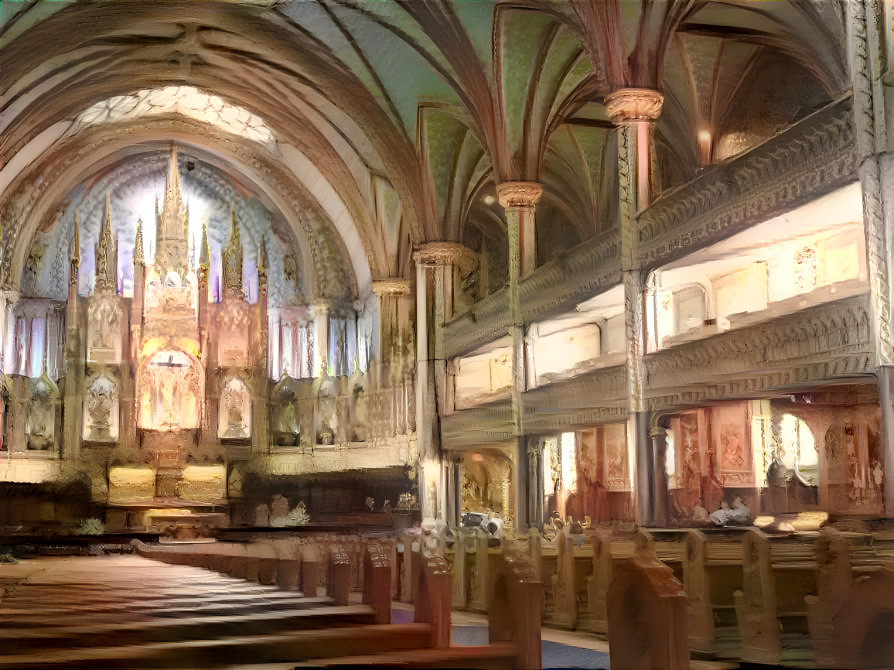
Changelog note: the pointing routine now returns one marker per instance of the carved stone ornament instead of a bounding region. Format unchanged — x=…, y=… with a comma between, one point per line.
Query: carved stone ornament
x=440, y=253
x=392, y=286
x=519, y=193
x=634, y=104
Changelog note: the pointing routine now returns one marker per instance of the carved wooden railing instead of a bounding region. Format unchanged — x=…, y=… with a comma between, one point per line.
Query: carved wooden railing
x=812, y=345
x=479, y=425
x=813, y=157
x=584, y=271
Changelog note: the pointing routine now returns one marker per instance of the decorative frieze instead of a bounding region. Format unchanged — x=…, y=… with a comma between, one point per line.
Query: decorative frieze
x=808, y=347
x=477, y=426
x=813, y=157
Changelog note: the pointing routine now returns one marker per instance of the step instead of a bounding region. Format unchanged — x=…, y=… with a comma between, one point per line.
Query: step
x=289, y=647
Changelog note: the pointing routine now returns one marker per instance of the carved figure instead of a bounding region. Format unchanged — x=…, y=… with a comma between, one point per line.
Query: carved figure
x=105, y=325
x=100, y=400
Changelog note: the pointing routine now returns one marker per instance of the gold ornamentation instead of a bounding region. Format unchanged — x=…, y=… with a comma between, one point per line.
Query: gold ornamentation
x=634, y=104
x=392, y=286
x=440, y=253
x=519, y=193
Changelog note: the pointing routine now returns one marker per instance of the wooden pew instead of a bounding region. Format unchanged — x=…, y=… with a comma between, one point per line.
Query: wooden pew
x=777, y=574
x=647, y=613
x=712, y=573
x=516, y=597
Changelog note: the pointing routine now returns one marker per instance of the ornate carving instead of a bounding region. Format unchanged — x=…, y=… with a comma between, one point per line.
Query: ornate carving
x=514, y=194
x=814, y=345
x=104, y=317
x=393, y=286
x=232, y=260
x=100, y=409
x=811, y=158
x=138, y=244
x=441, y=253
x=172, y=225
x=634, y=104
x=24, y=208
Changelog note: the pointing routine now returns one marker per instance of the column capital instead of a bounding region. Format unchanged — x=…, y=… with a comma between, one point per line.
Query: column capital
x=391, y=286
x=440, y=253
x=320, y=307
x=519, y=193
x=634, y=104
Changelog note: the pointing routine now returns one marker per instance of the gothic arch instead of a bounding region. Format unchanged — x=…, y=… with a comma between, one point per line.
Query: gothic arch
x=31, y=202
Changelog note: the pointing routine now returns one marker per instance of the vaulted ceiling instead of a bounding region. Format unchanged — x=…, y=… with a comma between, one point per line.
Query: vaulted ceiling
x=373, y=126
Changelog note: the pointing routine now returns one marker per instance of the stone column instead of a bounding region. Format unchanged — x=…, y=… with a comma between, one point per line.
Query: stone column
x=634, y=111
x=434, y=306
x=519, y=199
x=866, y=55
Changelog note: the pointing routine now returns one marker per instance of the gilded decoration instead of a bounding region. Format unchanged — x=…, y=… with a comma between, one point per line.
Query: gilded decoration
x=634, y=104
x=441, y=253
x=512, y=194
x=394, y=286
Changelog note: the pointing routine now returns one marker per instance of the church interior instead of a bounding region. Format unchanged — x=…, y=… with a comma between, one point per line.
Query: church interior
x=572, y=309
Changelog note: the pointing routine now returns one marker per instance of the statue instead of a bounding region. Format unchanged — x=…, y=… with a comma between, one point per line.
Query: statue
x=234, y=407
x=100, y=402
x=326, y=418
x=41, y=417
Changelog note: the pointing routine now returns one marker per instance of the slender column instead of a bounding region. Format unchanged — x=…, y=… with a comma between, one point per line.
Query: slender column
x=519, y=199
x=634, y=111
x=75, y=355
x=434, y=306
x=260, y=443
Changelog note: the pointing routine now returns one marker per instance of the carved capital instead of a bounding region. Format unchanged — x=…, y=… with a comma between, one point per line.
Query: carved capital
x=392, y=286
x=634, y=104
x=440, y=253
x=519, y=193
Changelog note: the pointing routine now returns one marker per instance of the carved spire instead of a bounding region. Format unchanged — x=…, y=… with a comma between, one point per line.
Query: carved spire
x=232, y=259
x=172, y=225
x=138, y=244
x=76, y=244
x=107, y=253
x=204, y=251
